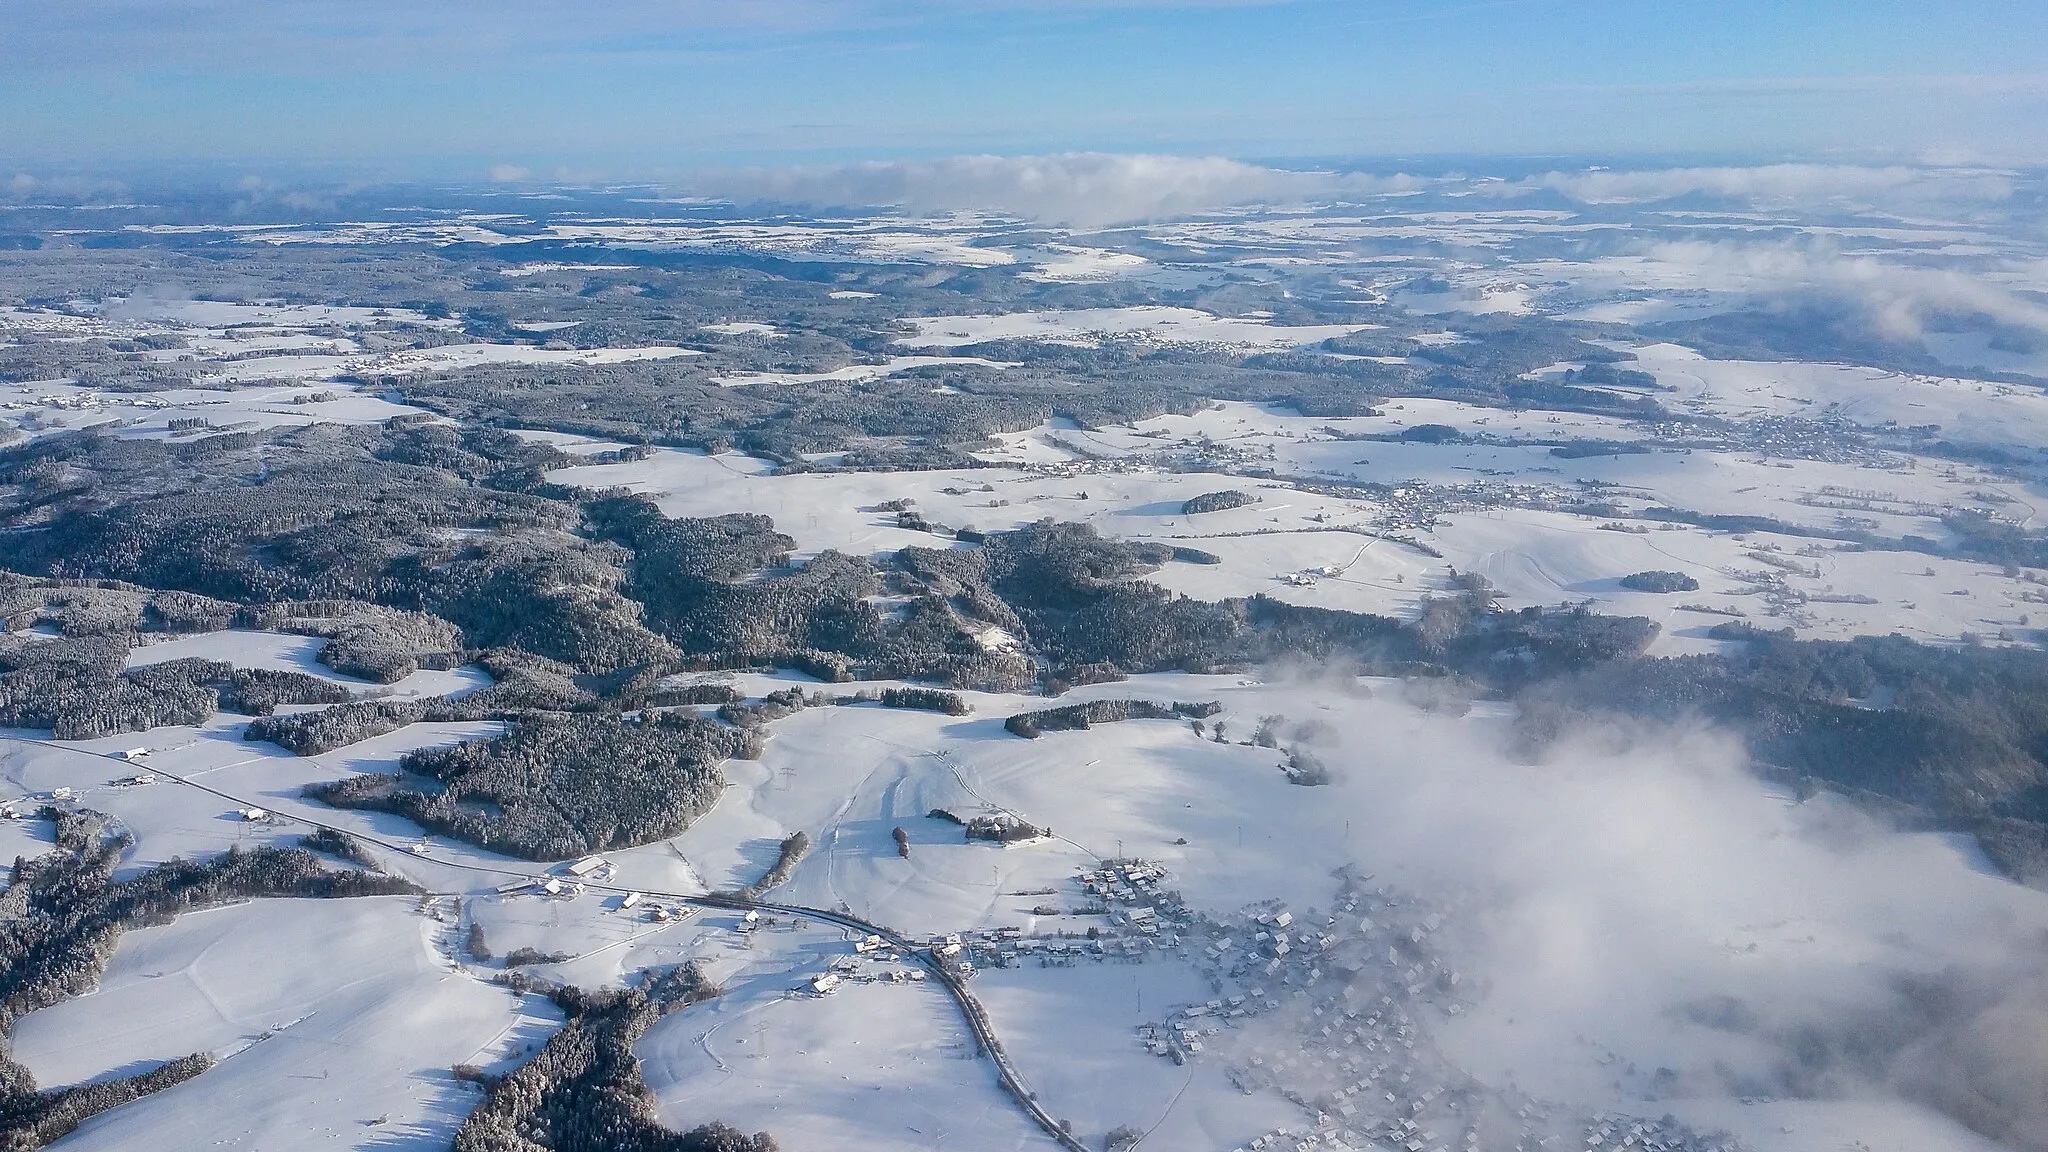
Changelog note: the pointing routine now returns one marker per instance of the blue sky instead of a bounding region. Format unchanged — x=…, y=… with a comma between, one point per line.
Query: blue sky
x=444, y=87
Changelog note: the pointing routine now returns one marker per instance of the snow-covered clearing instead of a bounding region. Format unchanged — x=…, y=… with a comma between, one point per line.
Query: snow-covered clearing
x=872, y=1067
x=855, y=373
x=44, y=407
x=1481, y=298
x=1089, y=327
x=1068, y=263
x=745, y=328
x=574, y=443
x=1977, y=411
x=1073, y=1029
x=286, y=652
x=336, y=1022
x=538, y=268
x=223, y=314
x=449, y=357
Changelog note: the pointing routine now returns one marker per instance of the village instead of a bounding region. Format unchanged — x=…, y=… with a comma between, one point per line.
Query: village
x=1333, y=1012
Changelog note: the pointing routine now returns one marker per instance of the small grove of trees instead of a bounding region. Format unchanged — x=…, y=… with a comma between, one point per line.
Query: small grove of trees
x=1658, y=581
x=1217, y=501
x=33, y=1120
x=522, y=957
x=926, y=699
x=786, y=858
x=339, y=844
x=1003, y=828
x=325, y=729
x=1074, y=717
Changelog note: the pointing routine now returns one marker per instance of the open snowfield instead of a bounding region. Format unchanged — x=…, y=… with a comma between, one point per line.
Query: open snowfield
x=836, y=510
x=745, y=328
x=1978, y=411
x=259, y=363
x=1089, y=327
x=574, y=443
x=168, y=819
x=1068, y=263
x=225, y=314
x=1074, y=1031
x=854, y=373
x=286, y=652
x=336, y=1022
x=443, y=358
x=872, y=1067
x=849, y=775
x=46, y=407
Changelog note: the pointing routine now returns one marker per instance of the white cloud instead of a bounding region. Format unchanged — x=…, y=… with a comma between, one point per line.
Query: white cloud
x=1899, y=299
x=1782, y=184
x=60, y=189
x=510, y=173
x=1086, y=188
x=1642, y=894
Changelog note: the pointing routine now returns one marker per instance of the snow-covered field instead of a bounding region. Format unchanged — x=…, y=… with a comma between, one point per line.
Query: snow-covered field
x=335, y=1024
x=45, y=407
x=1978, y=411
x=853, y=373
x=258, y=364
x=872, y=1067
x=286, y=652
x=1089, y=327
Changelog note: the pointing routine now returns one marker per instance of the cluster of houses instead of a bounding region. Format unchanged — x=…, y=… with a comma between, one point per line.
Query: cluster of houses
x=29, y=806
x=876, y=960
x=1141, y=918
x=80, y=401
x=573, y=879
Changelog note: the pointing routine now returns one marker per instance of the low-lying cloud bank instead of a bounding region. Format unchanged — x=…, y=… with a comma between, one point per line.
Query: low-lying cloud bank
x=1080, y=188
x=1901, y=301
x=1095, y=188
x=1641, y=897
x=1771, y=184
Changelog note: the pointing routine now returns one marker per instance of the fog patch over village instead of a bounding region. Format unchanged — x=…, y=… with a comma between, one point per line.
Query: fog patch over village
x=1656, y=930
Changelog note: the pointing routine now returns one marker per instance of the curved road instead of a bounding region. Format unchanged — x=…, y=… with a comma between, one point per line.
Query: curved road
x=970, y=1008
